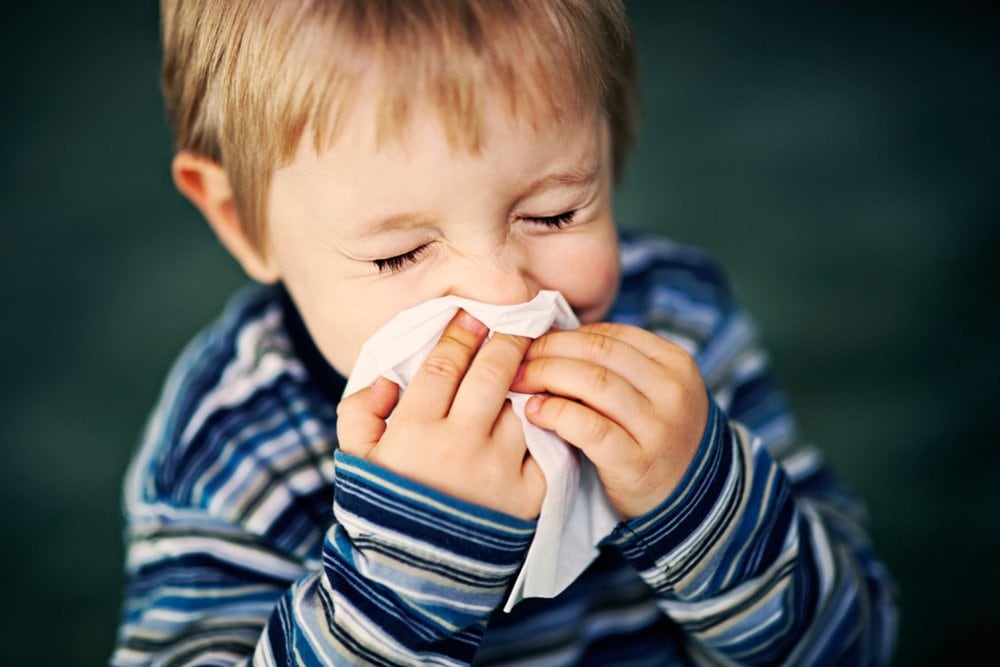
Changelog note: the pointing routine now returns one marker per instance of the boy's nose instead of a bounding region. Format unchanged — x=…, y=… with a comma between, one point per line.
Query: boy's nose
x=494, y=281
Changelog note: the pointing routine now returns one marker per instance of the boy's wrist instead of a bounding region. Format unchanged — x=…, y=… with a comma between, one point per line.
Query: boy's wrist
x=444, y=564
x=647, y=538
x=382, y=506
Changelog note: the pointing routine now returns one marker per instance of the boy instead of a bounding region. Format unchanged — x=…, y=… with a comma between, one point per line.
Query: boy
x=358, y=158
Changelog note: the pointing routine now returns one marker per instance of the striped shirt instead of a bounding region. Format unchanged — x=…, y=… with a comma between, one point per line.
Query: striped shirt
x=252, y=540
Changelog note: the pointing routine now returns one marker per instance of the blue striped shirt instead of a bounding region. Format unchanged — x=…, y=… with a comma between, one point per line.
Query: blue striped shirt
x=252, y=540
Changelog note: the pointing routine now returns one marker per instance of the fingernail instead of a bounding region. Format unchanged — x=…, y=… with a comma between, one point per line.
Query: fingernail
x=533, y=405
x=469, y=323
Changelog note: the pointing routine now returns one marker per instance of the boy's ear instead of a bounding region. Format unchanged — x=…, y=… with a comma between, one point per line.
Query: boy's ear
x=204, y=182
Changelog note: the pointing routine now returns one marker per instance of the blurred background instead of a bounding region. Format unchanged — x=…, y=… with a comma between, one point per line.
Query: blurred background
x=841, y=159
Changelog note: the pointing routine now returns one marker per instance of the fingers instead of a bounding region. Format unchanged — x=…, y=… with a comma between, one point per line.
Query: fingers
x=648, y=387
x=464, y=378
x=508, y=434
x=361, y=417
x=601, y=440
x=433, y=387
x=652, y=345
x=486, y=383
x=594, y=385
x=508, y=430
x=643, y=359
x=671, y=378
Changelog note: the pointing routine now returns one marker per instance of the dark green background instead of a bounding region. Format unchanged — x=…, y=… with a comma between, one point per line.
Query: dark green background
x=841, y=160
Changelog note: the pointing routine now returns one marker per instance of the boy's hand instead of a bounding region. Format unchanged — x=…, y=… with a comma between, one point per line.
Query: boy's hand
x=453, y=428
x=632, y=402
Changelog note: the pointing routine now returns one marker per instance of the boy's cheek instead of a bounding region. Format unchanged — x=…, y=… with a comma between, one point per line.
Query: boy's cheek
x=340, y=340
x=349, y=318
x=601, y=281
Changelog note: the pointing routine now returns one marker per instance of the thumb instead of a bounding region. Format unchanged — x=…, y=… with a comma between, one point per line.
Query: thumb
x=361, y=417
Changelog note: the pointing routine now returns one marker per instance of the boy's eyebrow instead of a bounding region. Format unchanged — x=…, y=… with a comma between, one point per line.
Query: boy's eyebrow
x=577, y=176
x=394, y=222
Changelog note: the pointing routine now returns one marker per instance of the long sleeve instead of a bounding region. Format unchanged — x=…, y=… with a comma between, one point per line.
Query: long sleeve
x=760, y=554
x=407, y=576
x=251, y=540
x=410, y=576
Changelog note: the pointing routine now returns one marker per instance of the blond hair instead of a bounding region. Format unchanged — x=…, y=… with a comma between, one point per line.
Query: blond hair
x=242, y=80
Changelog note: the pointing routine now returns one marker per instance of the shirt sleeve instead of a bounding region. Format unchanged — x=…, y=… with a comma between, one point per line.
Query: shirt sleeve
x=410, y=575
x=407, y=576
x=760, y=554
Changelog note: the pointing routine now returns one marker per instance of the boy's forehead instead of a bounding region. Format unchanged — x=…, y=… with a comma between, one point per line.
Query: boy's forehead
x=365, y=190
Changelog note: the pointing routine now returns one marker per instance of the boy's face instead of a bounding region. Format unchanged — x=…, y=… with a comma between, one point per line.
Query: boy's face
x=366, y=229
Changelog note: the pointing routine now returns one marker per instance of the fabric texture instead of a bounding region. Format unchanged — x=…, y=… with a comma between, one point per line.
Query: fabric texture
x=252, y=540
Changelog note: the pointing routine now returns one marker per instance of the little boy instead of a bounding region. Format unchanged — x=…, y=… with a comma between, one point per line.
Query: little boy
x=359, y=157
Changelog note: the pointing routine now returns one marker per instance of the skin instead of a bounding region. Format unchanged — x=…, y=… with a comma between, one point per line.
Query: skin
x=367, y=228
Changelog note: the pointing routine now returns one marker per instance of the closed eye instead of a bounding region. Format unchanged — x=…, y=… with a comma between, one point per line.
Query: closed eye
x=399, y=262
x=554, y=221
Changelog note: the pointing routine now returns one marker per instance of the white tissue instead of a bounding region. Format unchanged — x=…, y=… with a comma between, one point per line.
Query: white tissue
x=575, y=513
